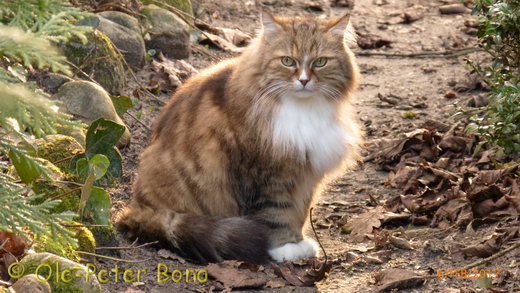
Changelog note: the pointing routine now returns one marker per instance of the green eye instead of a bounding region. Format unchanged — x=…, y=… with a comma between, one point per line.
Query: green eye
x=320, y=62
x=288, y=61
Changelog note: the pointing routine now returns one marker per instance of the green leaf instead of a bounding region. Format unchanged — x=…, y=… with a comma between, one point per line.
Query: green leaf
x=98, y=207
x=28, y=168
x=122, y=104
x=99, y=164
x=116, y=163
x=102, y=135
x=82, y=168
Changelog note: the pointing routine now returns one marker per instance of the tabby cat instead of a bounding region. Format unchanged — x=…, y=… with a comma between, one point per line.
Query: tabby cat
x=241, y=149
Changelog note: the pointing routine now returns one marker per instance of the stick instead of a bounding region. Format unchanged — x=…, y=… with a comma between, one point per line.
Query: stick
x=493, y=257
x=441, y=54
x=65, y=193
x=316, y=235
x=128, y=247
x=110, y=258
x=139, y=121
x=63, y=160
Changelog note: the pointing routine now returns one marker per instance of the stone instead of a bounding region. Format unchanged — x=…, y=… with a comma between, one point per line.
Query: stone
x=454, y=9
x=98, y=58
x=124, y=31
x=31, y=283
x=47, y=262
x=52, y=81
x=56, y=147
x=89, y=102
x=184, y=5
x=166, y=32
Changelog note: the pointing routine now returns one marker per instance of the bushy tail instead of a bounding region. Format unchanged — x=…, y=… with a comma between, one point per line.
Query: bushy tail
x=200, y=238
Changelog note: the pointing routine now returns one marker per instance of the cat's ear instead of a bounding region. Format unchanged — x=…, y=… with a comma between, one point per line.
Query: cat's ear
x=340, y=25
x=269, y=23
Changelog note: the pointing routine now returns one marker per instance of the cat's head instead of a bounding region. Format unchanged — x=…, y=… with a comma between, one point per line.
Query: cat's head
x=304, y=57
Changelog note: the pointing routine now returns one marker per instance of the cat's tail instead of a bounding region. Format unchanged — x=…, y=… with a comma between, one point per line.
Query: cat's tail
x=200, y=238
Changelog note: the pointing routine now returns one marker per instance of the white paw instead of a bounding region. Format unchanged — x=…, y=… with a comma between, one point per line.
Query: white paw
x=295, y=251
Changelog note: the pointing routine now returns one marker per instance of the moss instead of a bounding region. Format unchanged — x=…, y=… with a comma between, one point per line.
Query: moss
x=99, y=59
x=86, y=240
x=58, y=147
x=47, y=244
x=69, y=202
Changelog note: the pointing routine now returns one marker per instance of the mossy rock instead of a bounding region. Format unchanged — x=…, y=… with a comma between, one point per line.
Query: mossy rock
x=79, y=284
x=100, y=60
x=184, y=5
x=57, y=147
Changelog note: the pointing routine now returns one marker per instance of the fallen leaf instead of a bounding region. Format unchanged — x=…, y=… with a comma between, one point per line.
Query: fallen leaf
x=308, y=277
x=233, y=275
x=397, y=279
x=13, y=244
x=365, y=223
x=371, y=41
x=211, y=39
x=400, y=243
x=165, y=253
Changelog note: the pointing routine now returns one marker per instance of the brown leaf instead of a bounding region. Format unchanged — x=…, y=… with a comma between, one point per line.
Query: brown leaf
x=13, y=244
x=484, y=249
x=400, y=243
x=233, y=275
x=273, y=284
x=492, y=176
x=397, y=279
x=165, y=253
x=219, y=42
x=514, y=195
x=365, y=223
x=454, y=143
x=371, y=41
x=168, y=74
x=317, y=272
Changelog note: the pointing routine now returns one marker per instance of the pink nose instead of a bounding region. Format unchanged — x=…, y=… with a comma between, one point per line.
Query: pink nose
x=304, y=81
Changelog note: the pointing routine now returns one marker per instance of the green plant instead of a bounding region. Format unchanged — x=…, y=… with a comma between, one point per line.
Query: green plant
x=499, y=32
x=27, y=30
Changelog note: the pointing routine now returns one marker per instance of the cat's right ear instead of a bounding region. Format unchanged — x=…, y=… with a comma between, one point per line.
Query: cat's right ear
x=269, y=23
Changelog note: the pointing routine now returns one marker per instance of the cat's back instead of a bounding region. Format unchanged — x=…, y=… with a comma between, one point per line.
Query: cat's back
x=203, y=94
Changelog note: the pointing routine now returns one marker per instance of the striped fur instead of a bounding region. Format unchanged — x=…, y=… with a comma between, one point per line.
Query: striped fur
x=241, y=149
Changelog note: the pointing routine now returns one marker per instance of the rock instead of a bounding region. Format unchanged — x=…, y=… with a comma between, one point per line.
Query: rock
x=56, y=147
x=48, y=262
x=166, y=32
x=184, y=5
x=124, y=31
x=52, y=81
x=31, y=283
x=98, y=58
x=453, y=9
x=89, y=102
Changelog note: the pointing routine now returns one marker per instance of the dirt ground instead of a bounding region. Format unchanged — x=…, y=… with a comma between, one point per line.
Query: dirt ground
x=415, y=85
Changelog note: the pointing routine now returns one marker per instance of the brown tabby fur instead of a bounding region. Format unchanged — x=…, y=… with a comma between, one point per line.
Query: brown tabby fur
x=211, y=185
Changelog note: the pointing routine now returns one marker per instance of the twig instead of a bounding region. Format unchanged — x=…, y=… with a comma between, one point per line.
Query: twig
x=493, y=257
x=65, y=193
x=441, y=54
x=139, y=121
x=127, y=247
x=316, y=235
x=82, y=225
x=63, y=160
x=109, y=257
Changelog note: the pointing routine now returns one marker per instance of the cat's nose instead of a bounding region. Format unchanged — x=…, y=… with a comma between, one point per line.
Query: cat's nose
x=304, y=81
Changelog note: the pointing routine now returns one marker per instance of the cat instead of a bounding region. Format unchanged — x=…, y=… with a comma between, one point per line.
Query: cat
x=240, y=151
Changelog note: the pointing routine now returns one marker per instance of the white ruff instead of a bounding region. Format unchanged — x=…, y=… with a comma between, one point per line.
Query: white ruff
x=311, y=128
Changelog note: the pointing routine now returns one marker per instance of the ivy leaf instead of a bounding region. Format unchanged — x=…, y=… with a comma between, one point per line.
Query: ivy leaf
x=102, y=135
x=99, y=164
x=82, y=168
x=116, y=163
x=122, y=104
x=28, y=168
x=98, y=206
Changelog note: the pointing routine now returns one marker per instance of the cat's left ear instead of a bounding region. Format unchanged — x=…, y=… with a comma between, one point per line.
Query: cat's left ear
x=340, y=26
x=269, y=23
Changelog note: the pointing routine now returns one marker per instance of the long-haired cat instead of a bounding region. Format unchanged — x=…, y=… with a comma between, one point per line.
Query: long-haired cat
x=240, y=151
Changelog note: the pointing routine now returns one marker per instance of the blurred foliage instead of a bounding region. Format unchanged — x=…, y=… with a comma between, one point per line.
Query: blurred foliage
x=499, y=33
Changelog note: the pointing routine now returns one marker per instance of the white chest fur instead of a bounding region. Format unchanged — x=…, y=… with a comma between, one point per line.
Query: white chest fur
x=311, y=128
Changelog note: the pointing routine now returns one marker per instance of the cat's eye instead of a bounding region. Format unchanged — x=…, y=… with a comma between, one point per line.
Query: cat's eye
x=288, y=61
x=320, y=62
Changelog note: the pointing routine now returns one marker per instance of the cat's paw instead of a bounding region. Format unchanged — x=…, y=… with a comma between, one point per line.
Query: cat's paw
x=295, y=251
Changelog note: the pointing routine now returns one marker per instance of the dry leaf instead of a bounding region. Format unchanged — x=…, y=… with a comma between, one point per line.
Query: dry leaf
x=233, y=274
x=365, y=223
x=397, y=279
x=165, y=253
x=314, y=271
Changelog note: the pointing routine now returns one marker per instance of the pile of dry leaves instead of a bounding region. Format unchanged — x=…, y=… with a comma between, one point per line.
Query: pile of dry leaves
x=449, y=180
